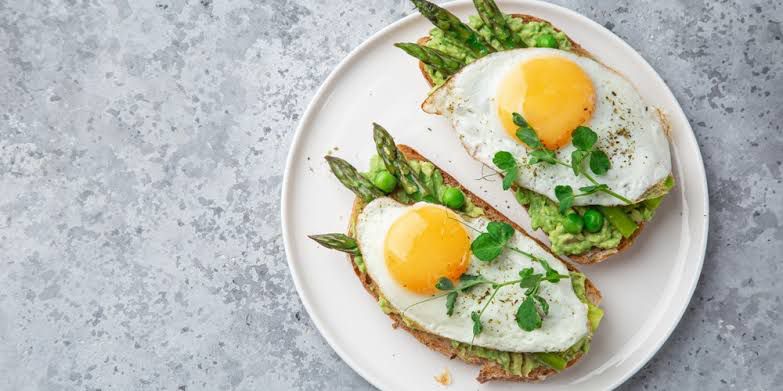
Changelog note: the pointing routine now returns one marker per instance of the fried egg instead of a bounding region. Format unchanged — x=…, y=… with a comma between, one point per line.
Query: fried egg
x=556, y=91
x=407, y=248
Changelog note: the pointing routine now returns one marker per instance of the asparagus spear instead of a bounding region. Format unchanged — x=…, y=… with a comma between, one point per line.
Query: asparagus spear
x=492, y=17
x=339, y=242
x=453, y=27
x=394, y=160
x=441, y=61
x=351, y=178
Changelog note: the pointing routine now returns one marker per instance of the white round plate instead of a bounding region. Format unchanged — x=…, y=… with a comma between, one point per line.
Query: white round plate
x=645, y=289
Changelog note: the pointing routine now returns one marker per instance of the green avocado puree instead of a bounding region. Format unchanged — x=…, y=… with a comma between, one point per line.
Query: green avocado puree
x=431, y=178
x=621, y=221
x=521, y=364
x=528, y=31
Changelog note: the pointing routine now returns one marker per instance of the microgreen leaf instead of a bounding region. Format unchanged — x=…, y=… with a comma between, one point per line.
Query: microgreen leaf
x=488, y=245
x=518, y=120
x=504, y=160
x=542, y=155
x=548, y=269
x=451, y=299
x=469, y=281
x=444, y=284
x=486, y=248
x=599, y=162
x=468, y=277
x=476, y=318
x=577, y=157
x=528, y=279
x=552, y=275
x=584, y=138
x=544, y=304
x=525, y=272
x=533, y=290
x=528, y=136
x=564, y=194
x=500, y=231
x=527, y=316
x=509, y=177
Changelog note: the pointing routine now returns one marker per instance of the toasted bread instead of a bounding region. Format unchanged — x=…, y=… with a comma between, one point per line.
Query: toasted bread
x=595, y=254
x=490, y=370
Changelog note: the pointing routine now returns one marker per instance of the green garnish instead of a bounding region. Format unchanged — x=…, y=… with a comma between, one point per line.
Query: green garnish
x=506, y=162
x=487, y=247
x=477, y=327
x=584, y=140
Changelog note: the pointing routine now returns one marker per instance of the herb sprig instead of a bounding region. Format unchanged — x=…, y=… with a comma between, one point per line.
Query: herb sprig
x=584, y=139
x=487, y=247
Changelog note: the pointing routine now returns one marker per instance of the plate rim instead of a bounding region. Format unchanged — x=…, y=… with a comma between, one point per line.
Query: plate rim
x=316, y=101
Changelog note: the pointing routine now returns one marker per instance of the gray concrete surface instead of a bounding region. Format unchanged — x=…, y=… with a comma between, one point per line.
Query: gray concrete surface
x=141, y=159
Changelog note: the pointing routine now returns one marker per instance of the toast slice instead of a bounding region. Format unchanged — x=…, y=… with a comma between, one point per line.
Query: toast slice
x=595, y=254
x=490, y=370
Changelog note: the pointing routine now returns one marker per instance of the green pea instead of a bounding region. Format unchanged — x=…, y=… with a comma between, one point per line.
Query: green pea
x=573, y=223
x=384, y=181
x=453, y=198
x=546, y=41
x=594, y=220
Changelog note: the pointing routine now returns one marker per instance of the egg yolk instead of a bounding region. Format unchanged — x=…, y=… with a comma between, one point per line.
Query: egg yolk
x=425, y=244
x=554, y=95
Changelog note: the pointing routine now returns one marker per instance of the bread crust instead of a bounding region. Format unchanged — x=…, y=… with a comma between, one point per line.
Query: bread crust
x=490, y=371
x=595, y=254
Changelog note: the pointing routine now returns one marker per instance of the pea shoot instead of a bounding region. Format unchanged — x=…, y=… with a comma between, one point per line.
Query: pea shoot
x=487, y=247
x=584, y=139
x=506, y=162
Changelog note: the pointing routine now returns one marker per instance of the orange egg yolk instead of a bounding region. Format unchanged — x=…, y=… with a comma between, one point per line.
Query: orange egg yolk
x=554, y=95
x=425, y=244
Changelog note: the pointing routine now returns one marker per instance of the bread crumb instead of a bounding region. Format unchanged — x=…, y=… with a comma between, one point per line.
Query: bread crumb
x=444, y=378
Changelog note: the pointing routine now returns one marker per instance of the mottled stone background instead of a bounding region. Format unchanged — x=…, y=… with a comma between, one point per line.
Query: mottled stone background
x=141, y=159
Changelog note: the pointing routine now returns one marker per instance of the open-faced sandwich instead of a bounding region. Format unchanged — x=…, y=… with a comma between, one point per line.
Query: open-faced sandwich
x=575, y=141
x=459, y=276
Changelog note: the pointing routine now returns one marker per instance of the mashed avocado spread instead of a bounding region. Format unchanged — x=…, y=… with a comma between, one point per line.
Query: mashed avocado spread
x=544, y=214
x=521, y=364
x=528, y=31
x=431, y=177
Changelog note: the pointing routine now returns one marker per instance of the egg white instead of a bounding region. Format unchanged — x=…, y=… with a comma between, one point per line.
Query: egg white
x=565, y=325
x=639, y=155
